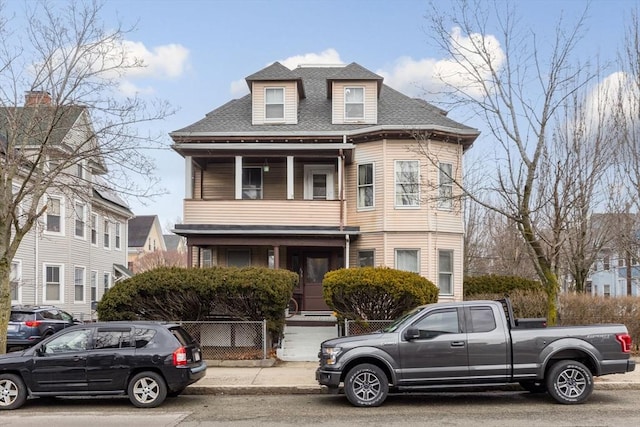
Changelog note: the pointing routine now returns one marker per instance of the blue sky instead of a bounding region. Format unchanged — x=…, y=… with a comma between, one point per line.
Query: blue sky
x=200, y=51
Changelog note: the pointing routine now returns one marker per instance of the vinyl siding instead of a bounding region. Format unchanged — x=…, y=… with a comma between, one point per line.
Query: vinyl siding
x=370, y=101
x=290, y=102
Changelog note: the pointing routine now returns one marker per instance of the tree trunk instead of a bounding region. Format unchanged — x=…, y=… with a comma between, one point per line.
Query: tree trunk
x=5, y=301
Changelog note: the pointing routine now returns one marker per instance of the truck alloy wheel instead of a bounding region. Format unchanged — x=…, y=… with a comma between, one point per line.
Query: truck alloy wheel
x=569, y=382
x=366, y=385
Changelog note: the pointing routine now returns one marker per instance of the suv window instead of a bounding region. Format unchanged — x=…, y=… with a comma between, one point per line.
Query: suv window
x=182, y=336
x=17, y=316
x=113, y=338
x=51, y=314
x=143, y=336
x=69, y=342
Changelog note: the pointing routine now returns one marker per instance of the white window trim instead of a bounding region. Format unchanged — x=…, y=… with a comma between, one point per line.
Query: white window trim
x=309, y=171
x=451, y=273
x=416, y=250
x=84, y=219
x=364, y=97
x=18, y=262
x=44, y=283
x=97, y=229
x=117, y=235
x=395, y=186
x=62, y=217
x=84, y=284
x=445, y=204
x=284, y=105
x=373, y=187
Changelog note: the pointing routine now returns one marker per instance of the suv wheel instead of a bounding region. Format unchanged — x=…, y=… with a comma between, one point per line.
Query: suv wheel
x=366, y=385
x=569, y=382
x=147, y=390
x=13, y=392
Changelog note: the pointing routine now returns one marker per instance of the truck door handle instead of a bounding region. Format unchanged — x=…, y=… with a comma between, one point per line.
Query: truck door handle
x=457, y=343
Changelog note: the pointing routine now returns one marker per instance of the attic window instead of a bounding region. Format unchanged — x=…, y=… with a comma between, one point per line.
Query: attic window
x=274, y=103
x=354, y=103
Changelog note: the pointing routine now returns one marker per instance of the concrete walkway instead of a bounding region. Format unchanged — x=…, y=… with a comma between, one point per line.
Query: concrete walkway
x=277, y=377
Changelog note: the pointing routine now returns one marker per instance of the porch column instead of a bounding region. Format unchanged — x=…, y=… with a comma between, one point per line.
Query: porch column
x=276, y=257
x=188, y=178
x=189, y=256
x=290, y=194
x=238, y=177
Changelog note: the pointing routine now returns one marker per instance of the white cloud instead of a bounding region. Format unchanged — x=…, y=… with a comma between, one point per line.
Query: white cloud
x=327, y=57
x=165, y=61
x=414, y=77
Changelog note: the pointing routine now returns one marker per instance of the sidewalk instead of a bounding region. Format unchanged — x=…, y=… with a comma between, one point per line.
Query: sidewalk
x=270, y=377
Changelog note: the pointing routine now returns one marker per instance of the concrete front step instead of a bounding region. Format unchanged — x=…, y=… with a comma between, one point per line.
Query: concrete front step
x=302, y=343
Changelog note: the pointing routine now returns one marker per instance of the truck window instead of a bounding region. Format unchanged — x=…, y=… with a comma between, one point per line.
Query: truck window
x=443, y=321
x=482, y=319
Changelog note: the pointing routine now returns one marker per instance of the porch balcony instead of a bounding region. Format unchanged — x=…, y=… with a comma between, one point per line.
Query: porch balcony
x=263, y=212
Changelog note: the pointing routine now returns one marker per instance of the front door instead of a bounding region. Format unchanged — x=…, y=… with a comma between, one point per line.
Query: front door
x=314, y=267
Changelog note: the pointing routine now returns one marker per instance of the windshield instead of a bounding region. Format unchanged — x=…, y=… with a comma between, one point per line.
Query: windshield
x=400, y=320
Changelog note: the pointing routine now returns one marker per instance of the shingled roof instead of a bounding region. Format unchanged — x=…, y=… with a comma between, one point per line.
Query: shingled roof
x=139, y=228
x=314, y=111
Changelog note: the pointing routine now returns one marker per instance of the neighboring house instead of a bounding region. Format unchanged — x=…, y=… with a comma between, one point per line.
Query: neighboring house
x=318, y=169
x=175, y=243
x=145, y=236
x=76, y=251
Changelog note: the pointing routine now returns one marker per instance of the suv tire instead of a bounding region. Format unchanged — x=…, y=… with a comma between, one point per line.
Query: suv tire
x=569, y=382
x=13, y=392
x=366, y=385
x=147, y=390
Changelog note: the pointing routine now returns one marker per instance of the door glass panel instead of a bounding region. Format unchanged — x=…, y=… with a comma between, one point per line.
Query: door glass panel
x=316, y=269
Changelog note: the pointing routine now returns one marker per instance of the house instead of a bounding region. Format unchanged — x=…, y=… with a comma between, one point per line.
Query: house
x=175, y=243
x=145, y=236
x=76, y=251
x=320, y=168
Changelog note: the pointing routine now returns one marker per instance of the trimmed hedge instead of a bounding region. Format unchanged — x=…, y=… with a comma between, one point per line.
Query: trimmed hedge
x=368, y=293
x=174, y=293
x=494, y=284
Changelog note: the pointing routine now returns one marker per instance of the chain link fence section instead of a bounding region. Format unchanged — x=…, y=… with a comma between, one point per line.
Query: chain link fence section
x=230, y=340
x=361, y=327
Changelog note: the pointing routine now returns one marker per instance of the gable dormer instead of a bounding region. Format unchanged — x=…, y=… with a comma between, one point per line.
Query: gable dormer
x=275, y=94
x=354, y=92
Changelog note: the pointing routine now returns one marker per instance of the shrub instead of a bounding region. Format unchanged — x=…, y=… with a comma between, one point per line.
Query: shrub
x=494, y=284
x=375, y=293
x=525, y=303
x=173, y=293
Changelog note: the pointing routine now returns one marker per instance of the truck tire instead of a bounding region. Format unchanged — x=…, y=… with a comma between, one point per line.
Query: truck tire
x=366, y=385
x=569, y=382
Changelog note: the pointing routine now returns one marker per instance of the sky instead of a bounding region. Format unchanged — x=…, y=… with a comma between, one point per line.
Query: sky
x=198, y=52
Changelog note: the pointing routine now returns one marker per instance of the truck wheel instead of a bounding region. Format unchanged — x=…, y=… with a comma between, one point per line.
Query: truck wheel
x=13, y=392
x=534, y=386
x=366, y=385
x=569, y=382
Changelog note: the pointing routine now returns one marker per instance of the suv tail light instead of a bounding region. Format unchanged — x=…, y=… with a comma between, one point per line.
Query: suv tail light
x=180, y=357
x=32, y=323
x=625, y=342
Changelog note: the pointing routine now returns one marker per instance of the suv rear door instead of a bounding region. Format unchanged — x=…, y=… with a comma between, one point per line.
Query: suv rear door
x=111, y=358
x=191, y=346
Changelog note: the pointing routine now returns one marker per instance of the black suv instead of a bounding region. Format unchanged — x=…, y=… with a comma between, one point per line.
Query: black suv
x=30, y=324
x=146, y=361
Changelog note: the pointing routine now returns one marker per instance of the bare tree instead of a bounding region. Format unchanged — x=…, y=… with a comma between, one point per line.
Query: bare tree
x=72, y=65
x=155, y=259
x=517, y=91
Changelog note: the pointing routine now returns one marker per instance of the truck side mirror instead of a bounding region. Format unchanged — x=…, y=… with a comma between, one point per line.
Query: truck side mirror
x=411, y=334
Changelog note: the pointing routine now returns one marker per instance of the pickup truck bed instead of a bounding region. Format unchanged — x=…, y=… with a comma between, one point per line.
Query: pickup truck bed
x=467, y=344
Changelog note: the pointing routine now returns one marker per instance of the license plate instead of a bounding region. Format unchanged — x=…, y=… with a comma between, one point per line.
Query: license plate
x=196, y=356
x=12, y=328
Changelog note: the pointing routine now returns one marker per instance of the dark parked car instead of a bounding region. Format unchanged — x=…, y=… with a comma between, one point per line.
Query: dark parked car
x=146, y=361
x=30, y=324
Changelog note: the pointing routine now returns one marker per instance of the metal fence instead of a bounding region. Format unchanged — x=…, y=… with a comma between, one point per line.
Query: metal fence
x=360, y=327
x=230, y=340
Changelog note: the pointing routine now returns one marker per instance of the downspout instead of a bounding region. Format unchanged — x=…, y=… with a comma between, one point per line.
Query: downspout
x=346, y=251
x=341, y=183
x=35, y=267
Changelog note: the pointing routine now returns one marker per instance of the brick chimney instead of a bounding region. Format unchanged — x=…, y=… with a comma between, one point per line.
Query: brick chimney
x=37, y=97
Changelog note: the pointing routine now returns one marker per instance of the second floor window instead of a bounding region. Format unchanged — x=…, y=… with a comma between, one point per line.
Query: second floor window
x=79, y=220
x=54, y=213
x=94, y=229
x=274, y=103
x=107, y=235
x=407, y=182
x=117, y=235
x=252, y=182
x=365, y=185
x=445, y=186
x=354, y=103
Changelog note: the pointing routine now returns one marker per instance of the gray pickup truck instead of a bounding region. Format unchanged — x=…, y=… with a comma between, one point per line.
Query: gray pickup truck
x=472, y=344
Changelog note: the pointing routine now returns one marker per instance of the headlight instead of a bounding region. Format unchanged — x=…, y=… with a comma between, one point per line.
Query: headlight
x=330, y=354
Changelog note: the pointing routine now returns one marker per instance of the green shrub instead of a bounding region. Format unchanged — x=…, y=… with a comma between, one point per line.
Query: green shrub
x=494, y=284
x=375, y=293
x=173, y=293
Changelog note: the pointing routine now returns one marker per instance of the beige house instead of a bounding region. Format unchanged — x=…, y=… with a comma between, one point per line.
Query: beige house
x=318, y=168
x=145, y=236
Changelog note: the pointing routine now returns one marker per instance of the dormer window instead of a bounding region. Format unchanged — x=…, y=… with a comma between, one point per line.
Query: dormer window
x=274, y=104
x=354, y=103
